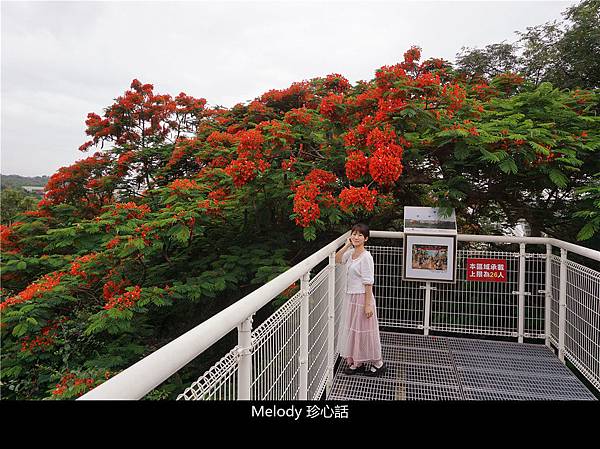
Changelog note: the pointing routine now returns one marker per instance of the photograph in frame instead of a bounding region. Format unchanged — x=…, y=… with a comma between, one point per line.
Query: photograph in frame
x=430, y=258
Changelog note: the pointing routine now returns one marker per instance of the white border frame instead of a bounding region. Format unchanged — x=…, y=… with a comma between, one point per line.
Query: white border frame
x=410, y=274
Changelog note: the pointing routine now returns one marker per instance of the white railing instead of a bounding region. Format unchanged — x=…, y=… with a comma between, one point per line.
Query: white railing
x=291, y=354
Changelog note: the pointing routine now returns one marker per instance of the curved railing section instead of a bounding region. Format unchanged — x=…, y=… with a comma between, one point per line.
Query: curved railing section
x=291, y=355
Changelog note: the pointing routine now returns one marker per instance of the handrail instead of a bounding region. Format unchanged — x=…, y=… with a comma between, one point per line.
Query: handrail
x=142, y=377
x=581, y=250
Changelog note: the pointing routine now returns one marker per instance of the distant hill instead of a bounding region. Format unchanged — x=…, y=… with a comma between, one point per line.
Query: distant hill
x=16, y=181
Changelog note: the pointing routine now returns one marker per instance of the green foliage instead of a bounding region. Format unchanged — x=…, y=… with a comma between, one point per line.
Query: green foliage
x=123, y=257
x=591, y=210
x=15, y=202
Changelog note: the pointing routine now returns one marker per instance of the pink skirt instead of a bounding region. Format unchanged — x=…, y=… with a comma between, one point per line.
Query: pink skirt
x=358, y=338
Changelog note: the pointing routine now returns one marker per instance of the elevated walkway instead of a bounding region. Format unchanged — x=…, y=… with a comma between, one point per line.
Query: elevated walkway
x=447, y=368
x=546, y=298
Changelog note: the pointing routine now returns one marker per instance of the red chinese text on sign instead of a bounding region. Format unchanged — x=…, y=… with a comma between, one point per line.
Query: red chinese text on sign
x=487, y=270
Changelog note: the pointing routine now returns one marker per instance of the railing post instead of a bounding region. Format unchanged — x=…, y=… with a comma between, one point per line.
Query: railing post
x=548, y=294
x=245, y=358
x=521, y=313
x=303, y=357
x=562, y=305
x=330, y=323
x=427, y=319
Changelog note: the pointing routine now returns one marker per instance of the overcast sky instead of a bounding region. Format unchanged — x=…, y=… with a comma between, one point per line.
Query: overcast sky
x=61, y=60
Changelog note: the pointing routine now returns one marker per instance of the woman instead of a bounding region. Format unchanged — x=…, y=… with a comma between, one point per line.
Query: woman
x=359, y=340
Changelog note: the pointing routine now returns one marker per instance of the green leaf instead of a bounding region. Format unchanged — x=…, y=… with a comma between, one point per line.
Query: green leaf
x=137, y=243
x=220, y=284
x=588, y=231
x=21, y=265
x=488, y=156
x=310, y=233
x=558, y=178
x=20, y=329
x=508, y=166
x=181, y=233
x=461, y=152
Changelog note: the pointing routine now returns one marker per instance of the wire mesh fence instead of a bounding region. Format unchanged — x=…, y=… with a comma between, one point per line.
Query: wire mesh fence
x=463, y=307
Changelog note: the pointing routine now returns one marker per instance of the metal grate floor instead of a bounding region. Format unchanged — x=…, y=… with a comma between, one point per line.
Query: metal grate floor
x=445, y=368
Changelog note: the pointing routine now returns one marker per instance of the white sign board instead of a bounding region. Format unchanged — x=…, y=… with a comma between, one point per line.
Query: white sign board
x=429, y=245
x=428, y=220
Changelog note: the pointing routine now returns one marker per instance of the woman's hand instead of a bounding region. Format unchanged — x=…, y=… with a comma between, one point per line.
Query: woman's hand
x=349, y=243
x=368, y=310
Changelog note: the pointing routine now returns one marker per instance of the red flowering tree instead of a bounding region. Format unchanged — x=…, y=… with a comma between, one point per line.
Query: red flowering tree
x=184, y=209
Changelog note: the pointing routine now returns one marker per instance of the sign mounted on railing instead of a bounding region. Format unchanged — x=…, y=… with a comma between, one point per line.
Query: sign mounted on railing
x=429, y=245
x=486, y=270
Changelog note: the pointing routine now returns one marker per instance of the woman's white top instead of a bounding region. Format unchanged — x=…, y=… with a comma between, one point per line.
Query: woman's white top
x=360, y=271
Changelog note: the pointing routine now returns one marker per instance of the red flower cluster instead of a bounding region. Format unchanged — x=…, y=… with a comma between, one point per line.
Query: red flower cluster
x=387, y=76
x=241, y=171
x=214, y=201
x=456, y=96
x=299, y=116
x=337, y=83
x=139, y=113
x=183, y=185
x=218, y=139
x=366, y=101
x=134, y=211
x=427, y=79
x=145, y=231
x=125, y=301
x=43, y=341
x=317, y=183
x=356, y=165
x=290, y=291
x=277, y=130
x=483, y=91
x=218, y=195
x=473, y=131
x=8, y=239
x=357, y=137
x=258, y=108
x=124, y=159
x=297, y=95
x=508, y=81
x=114, y=242
x=182, y=148
x=412, y=54
x=385, y=168
x=189, y=105
x=76, y=265
x=378, y=138
x=262, y=165
x=354, y=197
x=68, y=183
x=321, y=177
x=328, y=107
x=112, y=288
x=305, y=205
x=250, y=144
x=288, y=165
x=389, y=107
x=70, y=380
x=47, y=283
x=216, y=162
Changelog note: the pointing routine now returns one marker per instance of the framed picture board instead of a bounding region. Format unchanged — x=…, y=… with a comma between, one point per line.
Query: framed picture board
x=428, y=220
x=429, y=258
